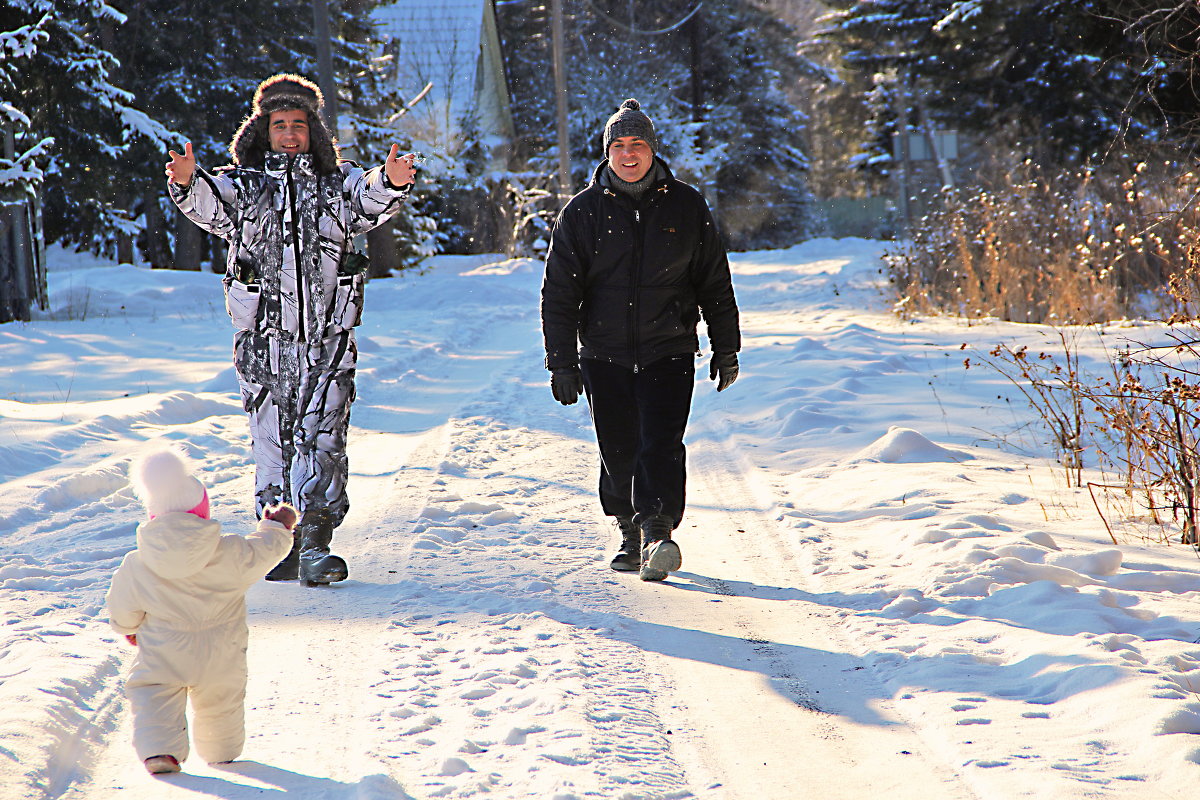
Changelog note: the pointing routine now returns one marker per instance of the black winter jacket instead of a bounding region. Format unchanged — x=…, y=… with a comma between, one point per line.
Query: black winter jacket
x=629, y=280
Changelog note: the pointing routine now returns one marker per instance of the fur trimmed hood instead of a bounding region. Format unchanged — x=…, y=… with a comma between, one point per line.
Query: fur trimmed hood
x=285, y=92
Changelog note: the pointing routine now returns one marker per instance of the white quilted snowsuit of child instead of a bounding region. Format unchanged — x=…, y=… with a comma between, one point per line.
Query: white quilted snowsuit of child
x=183, y=592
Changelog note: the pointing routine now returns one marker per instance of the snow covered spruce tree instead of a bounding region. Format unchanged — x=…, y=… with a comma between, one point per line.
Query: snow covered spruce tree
x=1056, y=78
x=713, y=81
x=22, y=276
x=65, y=89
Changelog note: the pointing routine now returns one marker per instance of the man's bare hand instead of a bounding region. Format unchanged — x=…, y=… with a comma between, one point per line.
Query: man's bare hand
x=399, y=168
x=181, y=168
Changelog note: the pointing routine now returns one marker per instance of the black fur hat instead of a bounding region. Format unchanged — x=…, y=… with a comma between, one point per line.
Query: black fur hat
x=285, y=92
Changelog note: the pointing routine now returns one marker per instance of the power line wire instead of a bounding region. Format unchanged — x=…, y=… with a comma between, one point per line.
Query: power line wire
x=617, y=23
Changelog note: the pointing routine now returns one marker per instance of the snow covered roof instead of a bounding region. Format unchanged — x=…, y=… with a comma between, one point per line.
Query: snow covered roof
x=454, y=45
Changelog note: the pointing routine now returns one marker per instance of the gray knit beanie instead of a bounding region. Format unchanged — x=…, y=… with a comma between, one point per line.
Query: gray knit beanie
x=630, y=120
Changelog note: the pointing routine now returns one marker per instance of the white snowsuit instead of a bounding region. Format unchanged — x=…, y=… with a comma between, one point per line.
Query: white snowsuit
x=183, y=592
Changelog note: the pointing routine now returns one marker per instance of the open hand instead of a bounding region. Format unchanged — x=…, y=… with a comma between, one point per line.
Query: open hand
x=181, y=168
x=399, y=168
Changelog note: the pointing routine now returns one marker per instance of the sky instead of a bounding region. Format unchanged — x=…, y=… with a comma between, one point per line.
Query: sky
x=888, y=586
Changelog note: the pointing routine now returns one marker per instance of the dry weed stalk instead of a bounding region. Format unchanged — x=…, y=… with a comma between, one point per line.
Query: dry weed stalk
x=1151, y=410
x=1052, y=390
x=1071, y=248
x=1146, y=423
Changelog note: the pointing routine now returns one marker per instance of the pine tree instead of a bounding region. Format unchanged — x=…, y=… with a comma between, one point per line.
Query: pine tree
x=67, y=92
x=712, y=82
x=22, y=272
x=1062, y=77
x=21, y=173
x=749, y=56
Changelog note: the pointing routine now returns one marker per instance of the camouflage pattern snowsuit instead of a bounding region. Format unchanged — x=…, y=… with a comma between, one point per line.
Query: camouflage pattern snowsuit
x=295, y=308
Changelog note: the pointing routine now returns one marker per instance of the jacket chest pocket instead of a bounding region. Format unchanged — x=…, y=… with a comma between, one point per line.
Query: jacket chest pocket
x=673, y=248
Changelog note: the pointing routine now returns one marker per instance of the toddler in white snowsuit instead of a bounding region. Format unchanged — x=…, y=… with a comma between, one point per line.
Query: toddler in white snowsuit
x=180, y=597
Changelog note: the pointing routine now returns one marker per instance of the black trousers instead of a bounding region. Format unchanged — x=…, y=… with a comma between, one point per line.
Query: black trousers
x=640, y=419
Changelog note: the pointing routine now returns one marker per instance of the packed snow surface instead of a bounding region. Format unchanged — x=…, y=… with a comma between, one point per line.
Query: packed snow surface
x=888, y=589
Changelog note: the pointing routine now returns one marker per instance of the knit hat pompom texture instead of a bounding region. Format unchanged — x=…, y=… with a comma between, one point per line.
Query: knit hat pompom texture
x=630, y=120
x=164, y=484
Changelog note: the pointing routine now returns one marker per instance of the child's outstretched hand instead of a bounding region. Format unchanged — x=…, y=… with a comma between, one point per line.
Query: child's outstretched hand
x=131, y=638
x=283, y=513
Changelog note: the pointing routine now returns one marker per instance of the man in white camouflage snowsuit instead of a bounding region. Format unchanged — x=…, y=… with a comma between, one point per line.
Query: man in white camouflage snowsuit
x=289, y=209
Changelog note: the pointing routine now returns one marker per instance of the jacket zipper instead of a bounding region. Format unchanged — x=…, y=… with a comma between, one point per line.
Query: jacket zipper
x=300, y=304
x=634, y=283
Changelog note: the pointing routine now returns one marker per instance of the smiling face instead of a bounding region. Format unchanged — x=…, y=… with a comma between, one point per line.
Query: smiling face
x=631, y=158
x=288, y=131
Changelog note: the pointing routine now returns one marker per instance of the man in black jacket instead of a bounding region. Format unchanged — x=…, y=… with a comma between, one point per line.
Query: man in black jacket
x=634, y=261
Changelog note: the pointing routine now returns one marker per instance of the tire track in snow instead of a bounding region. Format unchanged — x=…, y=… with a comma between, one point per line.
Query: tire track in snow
x=790, y=663
x=796, y=687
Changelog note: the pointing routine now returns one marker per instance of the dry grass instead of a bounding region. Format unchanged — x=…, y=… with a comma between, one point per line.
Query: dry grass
x=1066, y=248
x=1079, y=250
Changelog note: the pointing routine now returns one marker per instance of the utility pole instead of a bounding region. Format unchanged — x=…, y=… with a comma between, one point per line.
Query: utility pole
x=325, y=64
x=694, y=39
x=905, y=154
x=560, y=93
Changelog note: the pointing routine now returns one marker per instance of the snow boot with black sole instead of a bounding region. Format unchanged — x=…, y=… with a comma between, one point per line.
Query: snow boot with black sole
x=318, y=567
x=629, y=557
x=289, y=568
x=660, y=555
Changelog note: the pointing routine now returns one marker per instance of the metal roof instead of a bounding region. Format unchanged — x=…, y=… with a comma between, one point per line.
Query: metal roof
x=438, y=41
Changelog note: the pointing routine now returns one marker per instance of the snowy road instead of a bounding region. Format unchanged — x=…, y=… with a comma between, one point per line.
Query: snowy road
x=809, y=647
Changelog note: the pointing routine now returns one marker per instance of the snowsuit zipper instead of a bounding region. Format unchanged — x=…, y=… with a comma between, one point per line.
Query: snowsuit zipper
x=300, y=304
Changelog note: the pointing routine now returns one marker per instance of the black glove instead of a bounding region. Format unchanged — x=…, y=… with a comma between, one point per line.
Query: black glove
x=567, y=384
x=723, y=369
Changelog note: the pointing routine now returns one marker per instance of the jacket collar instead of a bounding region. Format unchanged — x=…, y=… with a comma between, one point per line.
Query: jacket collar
x=278, y=162
x=599, y=180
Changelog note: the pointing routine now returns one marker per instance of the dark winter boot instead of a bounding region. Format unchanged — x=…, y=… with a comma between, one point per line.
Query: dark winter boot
x=289, y=568
x=629, y=557
x=317, y=565
x=660, y=555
